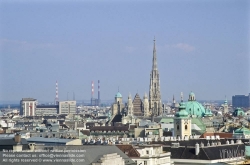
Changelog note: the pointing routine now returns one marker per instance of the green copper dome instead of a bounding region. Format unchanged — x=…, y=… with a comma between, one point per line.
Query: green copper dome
x=193, y=107
x=118, y=95
x=191, y=94
x=208, y=113
x=238, y=112
x=242, y=130
x=182, y=112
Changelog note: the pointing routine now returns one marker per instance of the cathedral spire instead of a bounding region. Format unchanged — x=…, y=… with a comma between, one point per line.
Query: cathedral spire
x=173, y=99
x=154, y=57
x=155, y=105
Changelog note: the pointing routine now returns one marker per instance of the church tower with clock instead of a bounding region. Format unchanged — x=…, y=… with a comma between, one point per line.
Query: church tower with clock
x=182, y=123
x=155, y=105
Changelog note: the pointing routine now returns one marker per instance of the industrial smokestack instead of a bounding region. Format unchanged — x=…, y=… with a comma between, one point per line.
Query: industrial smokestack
x=99, y=94
x=92, y=89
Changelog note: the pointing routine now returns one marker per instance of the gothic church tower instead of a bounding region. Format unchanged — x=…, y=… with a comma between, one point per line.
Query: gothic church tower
x=155, y=104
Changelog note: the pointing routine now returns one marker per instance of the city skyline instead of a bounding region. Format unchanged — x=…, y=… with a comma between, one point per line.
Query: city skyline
x=202, y=47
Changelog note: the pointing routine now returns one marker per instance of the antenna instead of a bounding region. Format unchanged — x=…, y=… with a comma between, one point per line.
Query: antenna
x=73, y=95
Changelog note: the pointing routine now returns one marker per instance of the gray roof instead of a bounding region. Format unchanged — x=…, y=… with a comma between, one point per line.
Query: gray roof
x=48, y=140
x=91, y=154
x=47, y=106
x=4, y=141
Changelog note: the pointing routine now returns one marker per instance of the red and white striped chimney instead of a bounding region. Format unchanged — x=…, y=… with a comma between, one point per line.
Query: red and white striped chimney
x=92, y=89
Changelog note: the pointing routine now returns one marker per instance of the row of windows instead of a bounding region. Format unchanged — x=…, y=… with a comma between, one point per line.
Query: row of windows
x=186, y=127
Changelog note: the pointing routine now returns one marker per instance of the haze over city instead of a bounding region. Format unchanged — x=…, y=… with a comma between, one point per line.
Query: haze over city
x=201, y=47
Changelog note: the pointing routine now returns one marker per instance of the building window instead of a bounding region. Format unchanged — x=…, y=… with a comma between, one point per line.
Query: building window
x=145, y=162
x=177, y=127
x=186, y=127
x=147, y=152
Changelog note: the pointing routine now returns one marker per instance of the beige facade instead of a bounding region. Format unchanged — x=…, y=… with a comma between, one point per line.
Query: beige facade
x=117, y=106
x=67, y=107
x=146, y=106
x=182, y=127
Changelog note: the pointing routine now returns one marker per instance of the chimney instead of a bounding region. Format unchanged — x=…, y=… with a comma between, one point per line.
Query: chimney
x=202, y=144
x=32, y=146
x=75, y=125
x=99, y=94
x=17, y=138
x=197, y=149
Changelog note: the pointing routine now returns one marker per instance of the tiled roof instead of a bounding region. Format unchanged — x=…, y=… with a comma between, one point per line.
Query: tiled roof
x=194, y=141
x=109, y=128
x=85, y=132
x=206, y=153
x=137, y=106
x=222, y=135
x=129, y=150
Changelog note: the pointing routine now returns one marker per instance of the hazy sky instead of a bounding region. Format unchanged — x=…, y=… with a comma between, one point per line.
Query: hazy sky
x=202, y=46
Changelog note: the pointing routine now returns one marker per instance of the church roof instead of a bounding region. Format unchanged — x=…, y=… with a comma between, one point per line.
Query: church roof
x=182, y=112
x=238, y=112
x=242, y=130
x=208, y=113
x=191, y=94
x=195, y=108
x=137, y=105
x=118, y=95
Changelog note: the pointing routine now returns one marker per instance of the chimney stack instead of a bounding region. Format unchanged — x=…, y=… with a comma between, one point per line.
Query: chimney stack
x=99, y=94
x=197, y=149
x=92, y=89
x=17, y=138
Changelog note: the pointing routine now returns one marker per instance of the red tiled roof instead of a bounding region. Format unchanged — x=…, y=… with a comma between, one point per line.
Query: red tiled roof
x=221, y=134
x=129, y=150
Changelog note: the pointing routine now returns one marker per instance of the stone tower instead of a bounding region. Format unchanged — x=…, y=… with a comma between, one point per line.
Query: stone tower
x=225, y=107
x=130, y=106
x=182, y=123
x=145, y=106
x=155, y=105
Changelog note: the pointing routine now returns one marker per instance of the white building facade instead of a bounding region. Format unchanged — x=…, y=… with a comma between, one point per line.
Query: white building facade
x=28, y=106
x=152, y=155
